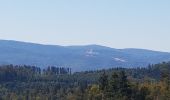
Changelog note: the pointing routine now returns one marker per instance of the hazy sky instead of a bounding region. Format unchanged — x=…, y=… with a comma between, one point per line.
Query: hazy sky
x=114, y=23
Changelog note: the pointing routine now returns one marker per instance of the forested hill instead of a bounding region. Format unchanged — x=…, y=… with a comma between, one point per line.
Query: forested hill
x=79, y=58
x=53, y=83
x=10, y=73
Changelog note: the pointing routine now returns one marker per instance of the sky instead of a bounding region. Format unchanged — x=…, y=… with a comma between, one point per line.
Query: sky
x=114, y=23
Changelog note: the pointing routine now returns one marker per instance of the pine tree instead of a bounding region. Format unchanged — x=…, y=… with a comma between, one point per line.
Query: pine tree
x=103, y=84
x=103, y=81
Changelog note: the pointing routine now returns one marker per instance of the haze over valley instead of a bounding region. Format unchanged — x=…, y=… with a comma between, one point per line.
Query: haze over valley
x=79, y=58
x=84, y=50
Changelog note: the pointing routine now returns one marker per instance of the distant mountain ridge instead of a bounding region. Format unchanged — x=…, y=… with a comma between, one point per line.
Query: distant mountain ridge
x=79, y=58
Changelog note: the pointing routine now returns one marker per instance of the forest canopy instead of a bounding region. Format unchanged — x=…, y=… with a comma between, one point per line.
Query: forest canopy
x=23, y=82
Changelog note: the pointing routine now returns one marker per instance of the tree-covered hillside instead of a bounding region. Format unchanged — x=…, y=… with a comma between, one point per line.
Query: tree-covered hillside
x=79, y=58
x=54, y=83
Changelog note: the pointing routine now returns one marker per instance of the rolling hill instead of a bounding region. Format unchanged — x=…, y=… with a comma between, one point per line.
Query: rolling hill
x=79, y=58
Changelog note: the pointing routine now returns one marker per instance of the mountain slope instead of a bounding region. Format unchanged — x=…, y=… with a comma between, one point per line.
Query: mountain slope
x=77, y=57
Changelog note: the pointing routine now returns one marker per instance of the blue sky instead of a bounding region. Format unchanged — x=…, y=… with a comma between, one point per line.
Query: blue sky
x=114, y=23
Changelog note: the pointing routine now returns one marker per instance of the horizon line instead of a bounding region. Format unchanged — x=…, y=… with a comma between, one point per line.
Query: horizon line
x=93, y=44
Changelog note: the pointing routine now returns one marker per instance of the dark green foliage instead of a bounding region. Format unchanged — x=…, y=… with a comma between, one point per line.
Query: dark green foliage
x=118, y=87
x=103, y=81
x=55, y=83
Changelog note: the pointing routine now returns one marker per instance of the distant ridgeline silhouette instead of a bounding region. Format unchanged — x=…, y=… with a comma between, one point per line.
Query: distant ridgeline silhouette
x=78, y=58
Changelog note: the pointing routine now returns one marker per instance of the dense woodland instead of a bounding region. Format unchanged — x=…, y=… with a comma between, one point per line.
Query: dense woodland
x=58, y=83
